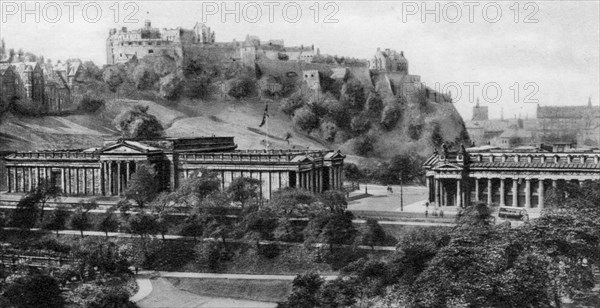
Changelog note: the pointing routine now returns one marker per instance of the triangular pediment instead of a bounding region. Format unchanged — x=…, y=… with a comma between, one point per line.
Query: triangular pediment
x=122, y=149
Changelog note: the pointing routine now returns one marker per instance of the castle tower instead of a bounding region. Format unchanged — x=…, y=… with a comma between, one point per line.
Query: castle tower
x=480, y=113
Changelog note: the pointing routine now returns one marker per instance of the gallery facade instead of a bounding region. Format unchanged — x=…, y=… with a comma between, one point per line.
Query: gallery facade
x=506, y=177
x=106, y=171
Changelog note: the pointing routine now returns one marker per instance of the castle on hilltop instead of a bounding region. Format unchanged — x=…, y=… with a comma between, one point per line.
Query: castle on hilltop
x=122, y=45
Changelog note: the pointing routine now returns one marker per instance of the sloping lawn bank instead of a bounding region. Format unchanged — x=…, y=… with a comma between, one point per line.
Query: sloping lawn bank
x=257, y=290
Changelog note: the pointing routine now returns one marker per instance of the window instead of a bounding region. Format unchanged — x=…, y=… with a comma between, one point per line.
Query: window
x=150, y=51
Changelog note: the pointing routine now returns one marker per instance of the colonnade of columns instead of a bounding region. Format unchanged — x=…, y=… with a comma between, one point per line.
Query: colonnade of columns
x=516, y=192
x=316, y=180
x=83, y=180
x=116, y=175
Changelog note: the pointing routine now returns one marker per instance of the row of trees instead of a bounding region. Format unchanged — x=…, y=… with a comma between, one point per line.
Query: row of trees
x=478, y=263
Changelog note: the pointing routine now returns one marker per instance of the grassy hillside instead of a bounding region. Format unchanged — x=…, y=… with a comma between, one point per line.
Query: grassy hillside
x=187, y=119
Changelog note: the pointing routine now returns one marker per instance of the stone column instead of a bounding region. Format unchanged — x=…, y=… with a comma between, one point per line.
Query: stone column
x=515, y=199
x=458, y=193
x=489, y=191
x=528, y=193
x=8, y=179
x=477, y=189
x=541, y=194
x=436, y=196
x=110, y=178
x=298, y=180
x=85, y=181
x=103, y=179
x=502, y=193
x=64, y=180
x=119, y=181
x=29, y=179
x=77, y=186
x=428, y=185
x=128, y=170
x=444, y=195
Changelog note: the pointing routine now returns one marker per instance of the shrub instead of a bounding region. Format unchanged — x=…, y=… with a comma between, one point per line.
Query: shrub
x=364, y=145
x=292, y=103
x=414, y=131
x=374, y=104
x=269, y=251
x=242, y=87
x=306, y=119
x=170, y=86
x=27, y=107
x=436, y=135
x=328, y=130
x=353, y=94
x=390, y=116
x=89, y=104
x=360, y=124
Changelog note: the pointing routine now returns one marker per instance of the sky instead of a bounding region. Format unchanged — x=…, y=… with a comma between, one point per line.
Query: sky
x=511, y=55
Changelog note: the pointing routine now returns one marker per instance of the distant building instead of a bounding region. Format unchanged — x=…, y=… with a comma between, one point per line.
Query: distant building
x=389, y=61
x=480, y=113
x=8, y=85
x=122, y=45
x=106, y=171
x=31, y=79
x=579, y=124
x=518, y=177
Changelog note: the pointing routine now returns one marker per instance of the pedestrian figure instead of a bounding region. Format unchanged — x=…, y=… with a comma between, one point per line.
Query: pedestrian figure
x=136, y=270
x=426, y=213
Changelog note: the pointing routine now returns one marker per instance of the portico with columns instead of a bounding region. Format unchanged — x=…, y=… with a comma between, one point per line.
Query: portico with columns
x=513, y=178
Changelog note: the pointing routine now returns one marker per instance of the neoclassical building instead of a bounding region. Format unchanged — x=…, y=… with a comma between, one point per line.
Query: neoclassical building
x=105, y=171
x=508, y=177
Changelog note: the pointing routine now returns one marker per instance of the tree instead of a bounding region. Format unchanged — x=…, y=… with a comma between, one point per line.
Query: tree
x=80, y=220
x=372, y=234
x=244, y=189
x=161, y=207
x=92, y=295
x=259, y=225
x=333, y=229
x=58, y=219
x=242, y=87
x=305, y=292
x=114, y=76
x=98, y=257
x=334, y=200
x=306, y=119
x=25, y=214
x=109, y=222
x=196, y=188
x=44, y=192
x=353, y=94
x=294, y=203
x=143, y=186
x=143, y=224
x=374, y=104
x=360, y=124
x=170, y=86
x=390, y=116
x=135, y=122
x=34, y=291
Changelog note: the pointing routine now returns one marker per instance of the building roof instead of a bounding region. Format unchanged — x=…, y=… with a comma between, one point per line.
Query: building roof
x=520, y=133
x=562, y=112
